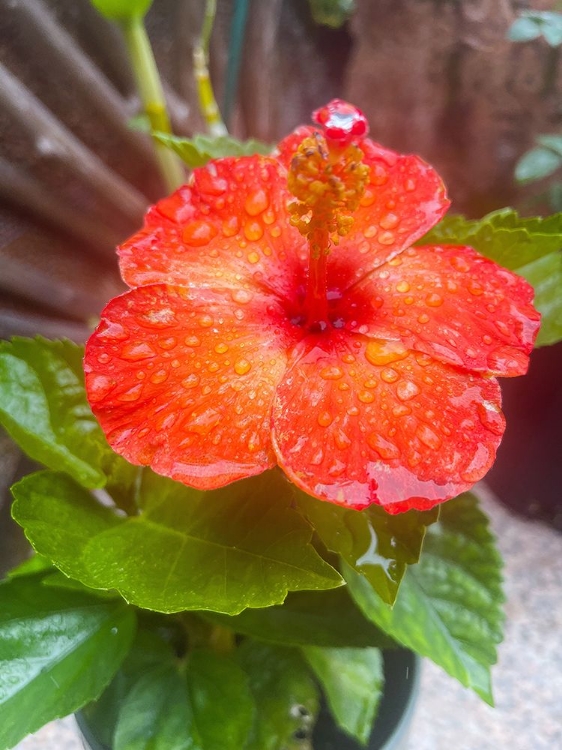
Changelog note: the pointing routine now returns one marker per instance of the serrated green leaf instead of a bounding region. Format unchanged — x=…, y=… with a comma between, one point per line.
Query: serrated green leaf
x=520, y=244
x=536, y=164
x=545, y=274
x=220, y=700
x=376, y=544
x=241, y=546
x=319, y=618
x=58, y=650
x=333, y=13
x=200, y=149
x=44, y=408
x=155, y=713
x=352, y=680
x=285, y=694
x=449, y=605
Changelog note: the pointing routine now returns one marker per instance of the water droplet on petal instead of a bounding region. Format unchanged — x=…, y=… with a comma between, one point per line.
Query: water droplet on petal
x=192, y=341
x=254, y=442
x=332, y=372
x=133, y=394
x=241, y=296
x=370, y=232
x=389, y=375
x=353, y=411
x=159, y=377
x=460, y=263
x=406, y=389
x=221, y=348
x=253, y=231
x=198, y=233
x=325, y=419
x=203, y=422
x=382, y=352
x=137, y=351
x=341, y=439
x=491, y=417
x=401, y=410
x=382, y=446
x=205, y=321
x=423, y=318
x=192, y=381
x=428, y=437
x=317, y=458
x=242, y=367
x=434, y=300
x=337, y=468
x=99, y=386
x=390, y=221
x=403, y=287
x=386, y=238
x=167, y=343
x=253, y=257
x=256, y=203
x=366, y=397
x=480, y=463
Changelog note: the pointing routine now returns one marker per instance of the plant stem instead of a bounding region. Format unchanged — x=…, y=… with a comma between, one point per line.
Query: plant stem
x=207, y=102
x=152, y=96
x=221, y=639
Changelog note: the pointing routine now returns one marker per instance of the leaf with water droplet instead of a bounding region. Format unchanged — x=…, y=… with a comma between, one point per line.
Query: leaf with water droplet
x=449, y=607
x=223, y=550
x=376, y=544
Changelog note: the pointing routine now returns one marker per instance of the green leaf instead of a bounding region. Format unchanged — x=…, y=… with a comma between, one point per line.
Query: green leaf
x=520, y=244
x=122, y=10
x=376, y=544
x=534, y=24
x=285, y=694
x=536, y=164
x=322, y=618
x=333, y=13
x=352, y=680
x=242, y=546
x=545, y=274
x=44, y=408
x=449, y=605
x=553, y=142
x=155, y=714
x=33, y=565
x=196, y=152
x=220, y=699
x=58, y=650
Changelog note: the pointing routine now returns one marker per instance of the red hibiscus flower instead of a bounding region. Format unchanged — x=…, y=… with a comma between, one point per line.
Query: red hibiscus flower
x=280, y=314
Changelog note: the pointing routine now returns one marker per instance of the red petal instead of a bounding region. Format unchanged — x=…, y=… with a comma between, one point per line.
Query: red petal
x=406, y=433
x=183, y=381
x=230, y=224
x=451, y=303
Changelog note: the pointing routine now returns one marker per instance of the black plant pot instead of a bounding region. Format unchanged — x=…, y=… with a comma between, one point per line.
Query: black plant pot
x=402, y=675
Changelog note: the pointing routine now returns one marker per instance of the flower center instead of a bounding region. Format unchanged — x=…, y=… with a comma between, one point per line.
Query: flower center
x=328, y=179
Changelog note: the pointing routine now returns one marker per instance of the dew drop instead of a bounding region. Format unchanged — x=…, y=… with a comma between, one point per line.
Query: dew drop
x=370, y=232
x=230, y=226
x=389, y=375
x=202, y=423
x=366, y=397
x=317, y=458
x=253, y=257
x=99, y=386
x=137, y=351
x=241, y=296
x=401, y=410
x=325, y=419
x=242, y=367
x=158, y=377
x=403, y=286
x=368, y=198
x=410, y=185
x=428, y=437
x=475, y=288
x=221, y=348
x=332, y=372
x=341, y=439
x=386, y=238
x=382, y=446
x=254, y=442
x=343, y=387
x=460, y=264
x=479, y=464
x=348, y=358
x=256, y=202
x=167, y=343
x=192, y=341
x=192, y=381
x=205, y=321
x=434, y=300
x=103, y=358
x=423, y=318
x=133, y=394
x=491, y=417
x=406, y=389
x=381, y=352
x=370, y=383
x=487, y=339
x=353, y=411
x=390, y=221
x=337, y=468
x=198, y=233
x=378, y=174
x=253, y=232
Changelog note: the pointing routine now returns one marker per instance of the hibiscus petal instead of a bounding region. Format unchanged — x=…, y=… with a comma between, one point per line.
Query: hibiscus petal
x=183, y=381
x=451, y=303
x=408, y=432
x=228, y=226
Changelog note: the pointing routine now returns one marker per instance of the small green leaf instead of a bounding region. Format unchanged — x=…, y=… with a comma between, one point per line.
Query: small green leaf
x=524, y=29
x=536, y=164
x=533, y=24
x=376, y=544
x=285, y=695
x=333, y=13
x=352, y=680
x=122, y=10
x=155, y=713
x=140, y=123
x=58, y=650
x=220, y=700
x=519, y=244
x=553, y=142
x=449, y=605
x=33, y=565
x=321, y=618
x=242, y=546
x=196, y=152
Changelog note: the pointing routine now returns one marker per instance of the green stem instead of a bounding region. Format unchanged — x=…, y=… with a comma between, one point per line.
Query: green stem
x=152, y=96
x=207, y=102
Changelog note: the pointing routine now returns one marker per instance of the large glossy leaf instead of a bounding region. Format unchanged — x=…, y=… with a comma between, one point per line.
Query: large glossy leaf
x=58, y=650
x=220, y=700
x=520, y=244
x=242, y=546
x=44, y=408
x=449, y=605
x=200, y=149
x=285, y=695
x=321, y=618
x=376, y=544
x=352, y=680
